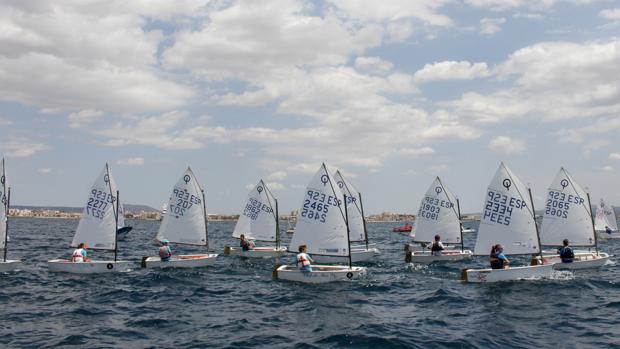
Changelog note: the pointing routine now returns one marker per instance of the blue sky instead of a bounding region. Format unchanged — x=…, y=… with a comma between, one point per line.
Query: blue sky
x=393, y=93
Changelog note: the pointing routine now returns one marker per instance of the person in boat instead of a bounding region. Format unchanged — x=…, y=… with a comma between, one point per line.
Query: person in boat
x=608, y=230
x=437, y=246
x=165, y=253
x=497, y=258
x=566, y=252
x=246, y=244
x=80, y=254
x=303, y=259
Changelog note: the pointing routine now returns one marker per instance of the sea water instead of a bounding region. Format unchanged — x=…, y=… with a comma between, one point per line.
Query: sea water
x=236, y=303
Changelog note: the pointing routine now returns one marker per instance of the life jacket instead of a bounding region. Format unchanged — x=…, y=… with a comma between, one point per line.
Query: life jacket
x=496, y=263
x=245, y=245
x=301, y=259
x=164, y=252
x=567, y=254
x=77, y=256
x=435, y=247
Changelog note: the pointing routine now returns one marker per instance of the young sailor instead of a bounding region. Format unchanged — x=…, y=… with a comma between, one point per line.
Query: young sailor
x=608, y=230
x=79, y=254
x=566, y=252
x=436, y=247
x=303, y=259
x=164, y=251
x=245, y=244
x=497, y=258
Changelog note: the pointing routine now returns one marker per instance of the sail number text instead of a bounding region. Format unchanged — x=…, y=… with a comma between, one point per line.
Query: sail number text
x=98, y=203
x=558, y=203
x=316, y=205
x=431, y=207
x=499, y=207
x=184, y=201
x=254, y=207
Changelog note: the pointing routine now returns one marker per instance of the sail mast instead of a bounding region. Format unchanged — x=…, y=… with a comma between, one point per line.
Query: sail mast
x=346, y=214
x=529, y=190
x=6, y=222
x=363, y=219
x=277, y=226
x=593, y=229
x=204, y=209
x=458, y=209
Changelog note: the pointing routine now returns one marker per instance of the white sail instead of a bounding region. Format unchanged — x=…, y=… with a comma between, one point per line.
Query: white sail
x=97, y=227
x=185, y=222
x=321, y=223
x=507, y=217
x=567, y=213
x=257, y=221
x=438, y=215
x=354, y=210
x=3, y=206
x=605, y=217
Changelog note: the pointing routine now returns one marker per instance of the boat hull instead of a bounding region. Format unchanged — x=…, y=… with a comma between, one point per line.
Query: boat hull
x=604, y=236
x=9, y=265
x=357, y=255
x=319, y=274
x=425, y=257
x=257, y=252
x=582, y=260
x=92, y=267
x=511, y=274
x=181, y=261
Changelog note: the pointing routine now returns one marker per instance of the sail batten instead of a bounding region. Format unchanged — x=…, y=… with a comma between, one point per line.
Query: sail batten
x=437, y=215
x=257, y=220
x=185, y=221
x=507, y=217
x=321, y=224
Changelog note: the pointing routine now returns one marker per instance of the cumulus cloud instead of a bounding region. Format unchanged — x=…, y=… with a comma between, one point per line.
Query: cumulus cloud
x=82, y=117
x=45, y=170
x=507, y=145
x=137, y=161
x=491, y=25
x=611, y=14
x=277, y=176
x=373, y=64
x=21, y=148
x=614, y=156
x=607, y=168
x=450, y=70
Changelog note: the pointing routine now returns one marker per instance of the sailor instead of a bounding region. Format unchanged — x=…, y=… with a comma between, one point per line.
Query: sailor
x=497, y=258
x=303, y=259
x=436, y=247
x=608, y=230
x=79, y=254
x=164, y=251
x=245, y=244
x=566, y=252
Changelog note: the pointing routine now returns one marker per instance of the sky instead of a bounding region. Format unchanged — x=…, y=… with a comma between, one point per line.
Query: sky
x=391, y=92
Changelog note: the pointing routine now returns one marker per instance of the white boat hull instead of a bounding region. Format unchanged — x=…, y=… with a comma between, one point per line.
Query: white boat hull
x=9, y=265
x=582, y=260
x=92, y=267
x=319, y=274
x=357, y=255
x=180, y=261
x=257, y=252
x=511, y=274
x=604, y=236
x=425, y=257
x=468, y=230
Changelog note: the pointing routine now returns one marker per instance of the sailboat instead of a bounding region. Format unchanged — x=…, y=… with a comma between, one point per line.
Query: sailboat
x=439, y=214
x=606, y=217
x=98, y=228
x=5, y=197
x=507, y=219
x=568, y=215
x=185, y=223
x=123, y=230
x=357, y=226
x=258, y=221
x=322, y=225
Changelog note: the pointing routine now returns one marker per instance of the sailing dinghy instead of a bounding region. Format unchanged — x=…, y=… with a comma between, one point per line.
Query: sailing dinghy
x=362, y=252
x=321, y=226
x=606, y=217
x=568, y=216
x=507, y=219
x=5, y=197
x=98, y=229
x=184, y=223
x=259, y=222
x=439, y=214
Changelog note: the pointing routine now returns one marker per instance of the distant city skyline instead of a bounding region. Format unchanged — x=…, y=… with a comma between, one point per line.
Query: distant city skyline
x=393, y=93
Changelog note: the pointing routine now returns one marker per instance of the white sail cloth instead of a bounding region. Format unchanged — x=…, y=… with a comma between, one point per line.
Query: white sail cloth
x=354, y=210
x=185, y=222
x=321, y=222
x=438, y=215
x=605, y=217
x=257, y=221
x=567, y=213
x=97, y=226
x=507, y=217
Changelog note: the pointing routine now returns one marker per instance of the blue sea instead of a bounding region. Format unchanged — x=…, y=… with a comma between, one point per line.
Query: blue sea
x=237, y=304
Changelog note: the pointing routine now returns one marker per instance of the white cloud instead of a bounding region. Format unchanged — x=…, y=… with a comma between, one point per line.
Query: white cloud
x=597, y=128
x=21, y=148
x=137, y=161
x=424, y=11
x=611, y=14
x=607, y=168
x=415, y=152
x=507, y=145
x=503, y=5
x=614, y=156
x=491, y=25
x=277, y=176
x=273, y=185
x=450, y=70
x=373, y=64
x=85, y=116
x=45, y=170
